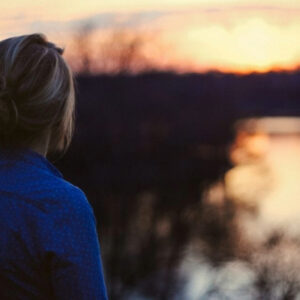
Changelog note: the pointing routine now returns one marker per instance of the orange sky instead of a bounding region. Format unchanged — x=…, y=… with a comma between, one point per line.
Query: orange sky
x=232, y=35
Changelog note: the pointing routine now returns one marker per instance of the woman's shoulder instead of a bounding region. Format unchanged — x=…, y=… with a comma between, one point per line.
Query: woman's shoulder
x=69, y=196
x=65, y=204
x=51, y=195
x=35, y=183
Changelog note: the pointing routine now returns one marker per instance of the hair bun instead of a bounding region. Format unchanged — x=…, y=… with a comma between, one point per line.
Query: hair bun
x=55, y=47
x=37, y=94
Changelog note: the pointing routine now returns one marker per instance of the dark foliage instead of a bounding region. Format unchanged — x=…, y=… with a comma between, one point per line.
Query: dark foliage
x=146, y=148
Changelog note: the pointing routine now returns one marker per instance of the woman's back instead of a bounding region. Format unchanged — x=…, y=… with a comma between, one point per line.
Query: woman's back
x=49, y=247
x=48, y=240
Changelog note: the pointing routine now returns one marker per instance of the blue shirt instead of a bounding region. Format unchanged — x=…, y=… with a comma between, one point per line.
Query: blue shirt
x=49, y=247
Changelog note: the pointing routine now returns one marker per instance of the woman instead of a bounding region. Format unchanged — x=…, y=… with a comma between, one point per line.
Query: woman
x=49, y=247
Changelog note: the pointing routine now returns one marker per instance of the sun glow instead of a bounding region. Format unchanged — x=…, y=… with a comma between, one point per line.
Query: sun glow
x=202, y=35
x=251, y=45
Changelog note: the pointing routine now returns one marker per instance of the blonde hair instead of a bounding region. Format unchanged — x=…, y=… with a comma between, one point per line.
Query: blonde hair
x=37, y=93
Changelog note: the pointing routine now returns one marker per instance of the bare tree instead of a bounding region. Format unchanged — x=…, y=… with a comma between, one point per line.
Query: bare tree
x=124, y=51
x=118, y=51
x=82, y=44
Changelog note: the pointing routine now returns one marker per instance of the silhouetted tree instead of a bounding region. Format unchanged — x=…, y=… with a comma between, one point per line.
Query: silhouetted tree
x=118, y=51
x=124, y=52
x=83, y=48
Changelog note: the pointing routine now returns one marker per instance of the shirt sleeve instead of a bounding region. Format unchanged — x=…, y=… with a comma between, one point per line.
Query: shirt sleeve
x=74, y=255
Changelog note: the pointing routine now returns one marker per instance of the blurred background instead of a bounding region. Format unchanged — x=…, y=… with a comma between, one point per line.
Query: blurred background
x=187, y=142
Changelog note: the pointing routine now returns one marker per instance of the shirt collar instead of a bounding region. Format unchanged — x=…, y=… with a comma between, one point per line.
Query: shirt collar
x=32, y=157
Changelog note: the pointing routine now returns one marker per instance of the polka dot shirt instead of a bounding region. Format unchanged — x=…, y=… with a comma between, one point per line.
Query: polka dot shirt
x=49, y=247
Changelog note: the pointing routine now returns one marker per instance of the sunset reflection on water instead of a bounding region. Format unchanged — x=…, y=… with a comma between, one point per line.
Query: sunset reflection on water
x=266, y=158
x=264, y=185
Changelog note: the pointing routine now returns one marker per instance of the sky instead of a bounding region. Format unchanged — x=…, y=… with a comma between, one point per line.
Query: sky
x=197, y=35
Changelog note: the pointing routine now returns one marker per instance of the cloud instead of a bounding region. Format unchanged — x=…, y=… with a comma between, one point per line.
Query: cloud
x=204, y=14
x=128, y=20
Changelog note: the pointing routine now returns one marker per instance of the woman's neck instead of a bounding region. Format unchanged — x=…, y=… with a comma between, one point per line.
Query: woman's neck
x=42, y=146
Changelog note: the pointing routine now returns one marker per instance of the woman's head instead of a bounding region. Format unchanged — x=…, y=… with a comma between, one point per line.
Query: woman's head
x=37, y=97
